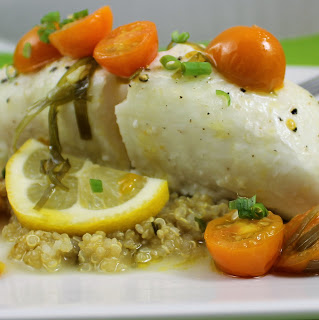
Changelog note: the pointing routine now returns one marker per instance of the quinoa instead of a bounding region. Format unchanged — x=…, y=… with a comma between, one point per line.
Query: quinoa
x=174, y=232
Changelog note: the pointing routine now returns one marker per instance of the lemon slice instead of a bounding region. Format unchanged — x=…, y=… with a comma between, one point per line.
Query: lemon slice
x=126, y=198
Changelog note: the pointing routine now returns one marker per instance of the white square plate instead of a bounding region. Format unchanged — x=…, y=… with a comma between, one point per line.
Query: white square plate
x=196, y=292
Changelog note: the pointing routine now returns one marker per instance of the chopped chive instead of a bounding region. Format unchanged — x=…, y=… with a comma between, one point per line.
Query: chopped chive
x=201, y=223
x=66, y=21
x=80, y=14
x=50, y=17
x=44, y=33
x=27, y=49
x=170, y=62
x=3, y=172
x=96, y=185
x=248, y=208
x=196, y=68
x=179, y=37
x=51, y=23
x=259, y=211
x=224, y=94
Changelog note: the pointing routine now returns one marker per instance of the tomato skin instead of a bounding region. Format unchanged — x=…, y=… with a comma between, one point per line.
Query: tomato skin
x=41, y=53
x=79, y=38
x=250, y=256
x=292, y=261
x=250, y=57
x=127, y=48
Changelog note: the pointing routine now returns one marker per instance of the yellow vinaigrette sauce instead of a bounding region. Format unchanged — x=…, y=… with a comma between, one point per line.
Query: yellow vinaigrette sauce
x=173, y=238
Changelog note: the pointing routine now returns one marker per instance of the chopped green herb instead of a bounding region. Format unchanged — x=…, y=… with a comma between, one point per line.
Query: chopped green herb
x=65, y=91
x=44, y=32
x=80, y=14
x=248, y=208
x=179, y=37
x=27, y=50
x=3, y=172
x=76, y=16
x=170, y=62
x=224, y=94
x=66, y=21
x=201, y=223
x=52, y=22
x=96, y=185
x=51, y=17
x=196, y=68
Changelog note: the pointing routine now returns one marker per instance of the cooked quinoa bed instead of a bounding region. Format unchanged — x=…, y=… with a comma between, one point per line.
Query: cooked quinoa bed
x=174, y=232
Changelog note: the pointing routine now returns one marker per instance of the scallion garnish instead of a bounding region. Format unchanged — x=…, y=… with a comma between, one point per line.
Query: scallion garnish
x=52, y=22
x=248, y=208
x=170, y=62
x=51, y=17
x=75, y=16
x=96, y=185
x=27, y=50
x=179, y=37
x=71, y=87
x=196, y=68
x=49, y=23
x=224, y=94
x=80, y=14
x=189, y=68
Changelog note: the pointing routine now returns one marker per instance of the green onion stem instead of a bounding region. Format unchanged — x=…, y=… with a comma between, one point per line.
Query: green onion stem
x=96, y=185
x=248, y=208
x=45, y=196
x=64, y=92
x=80, y=14
x=258, y=211
x=53, y=16
x=311, y=214
x=179, y=37
x=27, y=50
x=72, y=86
x=308, y=239
x=196, y=68
x=80, y=107
x=170, y=62
x=224, y=94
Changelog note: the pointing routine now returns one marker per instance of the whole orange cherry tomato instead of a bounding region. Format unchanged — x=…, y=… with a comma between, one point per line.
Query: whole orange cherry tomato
x=40, y=53
x=301, y=245
x=127, y=48
x=243, y=247
x=79, y=38
x=250, y=57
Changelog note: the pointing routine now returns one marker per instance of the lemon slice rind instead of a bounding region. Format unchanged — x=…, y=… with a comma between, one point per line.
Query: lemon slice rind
x=76, y=219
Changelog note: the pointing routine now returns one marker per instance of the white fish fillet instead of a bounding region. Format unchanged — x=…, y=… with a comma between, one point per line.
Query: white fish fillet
x=105, y=92
x=181, y=130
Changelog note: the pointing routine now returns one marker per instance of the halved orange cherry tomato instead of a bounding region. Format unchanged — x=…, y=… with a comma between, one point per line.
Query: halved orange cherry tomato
x=127, y=48
x=295, y=258
x=40, y=54
x=79, y=38
x=242, y=247
x=250, y=57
